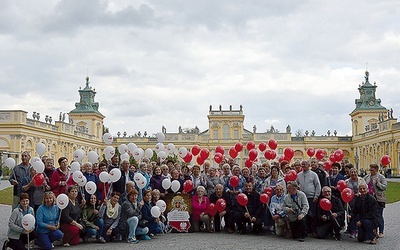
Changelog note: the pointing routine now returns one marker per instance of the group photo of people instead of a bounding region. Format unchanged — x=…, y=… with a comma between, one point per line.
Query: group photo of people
x=66, y=202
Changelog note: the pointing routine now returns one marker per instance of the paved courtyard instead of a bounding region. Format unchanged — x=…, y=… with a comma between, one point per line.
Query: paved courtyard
x=235, y=241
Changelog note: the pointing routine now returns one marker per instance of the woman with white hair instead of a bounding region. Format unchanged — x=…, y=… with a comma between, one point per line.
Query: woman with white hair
x=200, y=203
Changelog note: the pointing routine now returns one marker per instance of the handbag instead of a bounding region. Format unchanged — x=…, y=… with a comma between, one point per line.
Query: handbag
x=143, y=223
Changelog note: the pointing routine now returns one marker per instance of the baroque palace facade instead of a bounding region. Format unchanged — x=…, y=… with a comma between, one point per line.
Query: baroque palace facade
x=374, y=132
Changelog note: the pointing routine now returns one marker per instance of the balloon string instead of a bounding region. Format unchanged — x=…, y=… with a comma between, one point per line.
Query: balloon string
x=28, y=242
x=337, y=223
x=59, y=217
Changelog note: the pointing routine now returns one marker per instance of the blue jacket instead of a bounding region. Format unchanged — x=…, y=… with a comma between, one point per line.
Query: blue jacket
x=46, y=215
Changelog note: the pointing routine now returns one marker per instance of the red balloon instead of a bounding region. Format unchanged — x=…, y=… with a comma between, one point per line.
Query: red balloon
x=238, y=146
x=273, y=144
x=264, y=198
x=291, y=175
x=221, y=205
x=270, y=154
x=233, y=153
x=325, y=204
x=220, y=149
x=218, y=157
x=332, y=157
x=341, y=185
x=327, y=165
x=204, y=154
x=242, y=199
x=212, y=209
x=347, y=195
x=253, y=154
x=188, y=186
x=281, y=158
x=310, y=152
x=234, y=181
x=188, y=157
x=269, y=191
x=339, y=155
x=250, y=145
x=262, y=146
x=385, y=160
x=195, y=150
x=320, y=154
x=288, y=153
x=248, y=163
x=38, y=179
x=200, y=160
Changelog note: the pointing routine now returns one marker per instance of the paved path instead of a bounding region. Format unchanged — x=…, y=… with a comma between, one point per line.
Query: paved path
x=221, y=241
x=234, y=241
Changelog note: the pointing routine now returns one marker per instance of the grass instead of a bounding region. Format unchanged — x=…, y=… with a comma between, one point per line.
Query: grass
x=6, y=196
x=392, y=194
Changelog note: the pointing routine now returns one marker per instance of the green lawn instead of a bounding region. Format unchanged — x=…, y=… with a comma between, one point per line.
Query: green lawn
x=6, y=196
x=392, y=194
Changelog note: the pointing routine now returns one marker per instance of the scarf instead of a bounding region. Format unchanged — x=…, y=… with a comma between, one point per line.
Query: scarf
x=112, y=212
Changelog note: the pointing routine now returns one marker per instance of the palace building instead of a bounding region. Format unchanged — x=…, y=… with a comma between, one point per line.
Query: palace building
x=374, y=132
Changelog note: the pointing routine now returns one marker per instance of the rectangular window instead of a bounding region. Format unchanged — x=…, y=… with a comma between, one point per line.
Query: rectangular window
x=236, y=134
x=215, y=134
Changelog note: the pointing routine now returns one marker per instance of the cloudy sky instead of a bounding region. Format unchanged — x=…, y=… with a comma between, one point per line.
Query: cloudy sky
x=156, y=63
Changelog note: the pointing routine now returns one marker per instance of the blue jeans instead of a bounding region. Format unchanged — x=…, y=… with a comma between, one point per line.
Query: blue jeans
x=134, y=229
x=366, y=231
x=45, y=240
x=91, y=231
x=381, y=221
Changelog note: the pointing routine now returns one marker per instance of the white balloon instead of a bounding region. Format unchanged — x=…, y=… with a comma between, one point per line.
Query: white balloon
x=62, y=201
x=182, y=152
x=155, y=211
x=115, y=174
x=162, y=155
x=38, y=166
x=170, y=148
x=75, y=166
x=107, y=138
x=34, y=159
x=123, y=149
x=160, y=137
x=124, y=156
x=40, y=149
x=162, y=205
x=159, y=147
x=83, y=182
x=93, y=157
x=175, y=185
x=131, y=147
x=78, y=155
x=140, y=180
x=166, y=183
x=104, y=177
x=77, y=176
x=148, y=153
x=137, y=154
x=28, y=222
x=10, y=162
x=90, y=187
x=109, y=152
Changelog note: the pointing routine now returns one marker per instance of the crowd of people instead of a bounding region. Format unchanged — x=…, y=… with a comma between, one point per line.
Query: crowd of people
x=120, y=211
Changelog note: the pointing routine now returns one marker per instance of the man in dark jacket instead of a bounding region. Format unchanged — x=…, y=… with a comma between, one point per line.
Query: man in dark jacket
x=366, y=215
x=332, y=220
x=252, y=213
x=227, y=214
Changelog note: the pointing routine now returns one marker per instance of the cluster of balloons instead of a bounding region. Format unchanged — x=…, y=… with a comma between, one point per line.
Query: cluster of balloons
x=219, y=206
x=159, y=208
x=175, y=185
